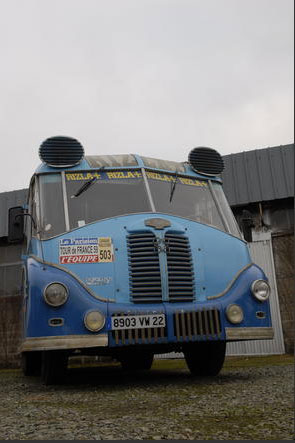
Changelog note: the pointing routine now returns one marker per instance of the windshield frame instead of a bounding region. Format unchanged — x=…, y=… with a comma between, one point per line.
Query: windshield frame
x=152, y=209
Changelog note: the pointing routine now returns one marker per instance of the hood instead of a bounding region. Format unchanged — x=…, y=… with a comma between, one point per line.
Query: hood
x=99, y=255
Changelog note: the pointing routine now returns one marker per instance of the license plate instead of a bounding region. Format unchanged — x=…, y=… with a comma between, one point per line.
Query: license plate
x=139, y=321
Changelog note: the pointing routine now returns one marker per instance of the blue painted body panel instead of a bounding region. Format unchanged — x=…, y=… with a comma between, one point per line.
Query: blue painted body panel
x=218, y=258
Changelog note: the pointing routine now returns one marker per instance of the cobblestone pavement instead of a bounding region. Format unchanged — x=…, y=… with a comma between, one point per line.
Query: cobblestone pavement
x=242, y=403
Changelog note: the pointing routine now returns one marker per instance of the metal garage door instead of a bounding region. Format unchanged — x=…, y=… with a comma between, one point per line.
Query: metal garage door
x=261, y=253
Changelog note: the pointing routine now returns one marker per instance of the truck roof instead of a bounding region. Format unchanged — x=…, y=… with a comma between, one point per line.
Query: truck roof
x=128, y=161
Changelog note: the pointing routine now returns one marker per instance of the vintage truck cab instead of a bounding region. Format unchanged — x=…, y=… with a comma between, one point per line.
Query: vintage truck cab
x=131, y=256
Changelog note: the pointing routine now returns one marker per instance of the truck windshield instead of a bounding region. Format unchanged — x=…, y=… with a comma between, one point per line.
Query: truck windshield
x=191, y=198
x=114, y=193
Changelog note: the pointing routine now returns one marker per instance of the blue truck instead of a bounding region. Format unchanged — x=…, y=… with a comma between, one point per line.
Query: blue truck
x=130, y=256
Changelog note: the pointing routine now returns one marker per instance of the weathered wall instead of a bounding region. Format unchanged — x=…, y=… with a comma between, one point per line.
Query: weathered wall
x=10, y=303
x=283, y=250
x=10, y=331
x=278, y=217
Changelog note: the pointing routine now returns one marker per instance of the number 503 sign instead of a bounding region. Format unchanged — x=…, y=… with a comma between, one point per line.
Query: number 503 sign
x=105, y=250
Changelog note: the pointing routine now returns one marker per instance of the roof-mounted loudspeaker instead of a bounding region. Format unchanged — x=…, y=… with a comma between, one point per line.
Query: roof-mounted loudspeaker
x=61, y=151
x=206, y=161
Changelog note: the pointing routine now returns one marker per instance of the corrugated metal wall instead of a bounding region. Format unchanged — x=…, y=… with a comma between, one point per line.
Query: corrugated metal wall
x=259, y=175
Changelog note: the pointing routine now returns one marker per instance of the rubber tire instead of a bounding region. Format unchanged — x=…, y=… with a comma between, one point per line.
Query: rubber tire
x=54, y=367
x=205, y=358
x=31, y=363
x=137, y=362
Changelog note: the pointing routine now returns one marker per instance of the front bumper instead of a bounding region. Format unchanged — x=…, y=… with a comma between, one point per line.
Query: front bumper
x=64, y=342
x=71, y=342
x=251, y=333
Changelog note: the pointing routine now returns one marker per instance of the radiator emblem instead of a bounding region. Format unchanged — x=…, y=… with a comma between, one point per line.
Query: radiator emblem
x=157, y=223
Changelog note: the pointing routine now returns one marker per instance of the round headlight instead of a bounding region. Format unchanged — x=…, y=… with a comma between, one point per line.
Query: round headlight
x=56, y=294
x=234, y=314
x=260, y=289
x=94, y=321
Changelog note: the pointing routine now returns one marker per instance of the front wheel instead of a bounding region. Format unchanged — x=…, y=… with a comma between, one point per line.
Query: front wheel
x=205, y=358
x=54, y=366
x=31, y=363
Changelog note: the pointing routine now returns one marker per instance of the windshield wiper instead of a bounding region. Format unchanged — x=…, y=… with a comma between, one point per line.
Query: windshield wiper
x=172, y=188
x=87, y=184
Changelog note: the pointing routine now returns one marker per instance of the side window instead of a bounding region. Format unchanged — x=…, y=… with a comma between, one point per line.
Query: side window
x=33, y=209
x=227, y=212
x=52, y=214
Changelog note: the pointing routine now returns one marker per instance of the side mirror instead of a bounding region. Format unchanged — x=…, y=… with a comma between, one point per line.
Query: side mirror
x=16, y=225
x=247, y=225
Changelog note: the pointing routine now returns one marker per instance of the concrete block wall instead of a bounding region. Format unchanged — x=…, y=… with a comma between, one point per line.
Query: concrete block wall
x=283, y=252
x=10, y=331
x=10, y=303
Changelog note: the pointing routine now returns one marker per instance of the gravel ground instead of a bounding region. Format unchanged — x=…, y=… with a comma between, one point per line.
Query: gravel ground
x=245, y=402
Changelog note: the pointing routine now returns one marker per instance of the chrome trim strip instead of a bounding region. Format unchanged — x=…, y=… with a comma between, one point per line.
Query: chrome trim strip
x=153, y=208
x=211, y=322
x=189, y=325
x=111, y=300
x=38, y=206
x=217, y=322
x=219, y=208
x=200, y=322
x=212, y=297
x=207, y=332
x=252, y=333
x=195, y=331
x=63, y=342
x=177, y=333
x=65, y=200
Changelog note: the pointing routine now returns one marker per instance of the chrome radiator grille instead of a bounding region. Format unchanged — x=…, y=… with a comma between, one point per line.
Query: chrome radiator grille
x=180, y=268
x=205, y=323
x=144, y=267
